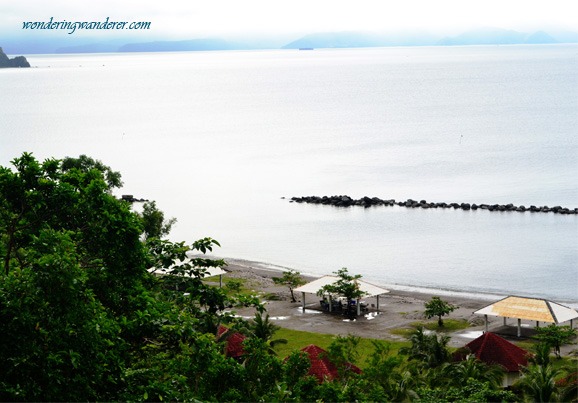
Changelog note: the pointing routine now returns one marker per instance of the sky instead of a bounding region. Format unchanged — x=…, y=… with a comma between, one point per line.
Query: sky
x=177, y=19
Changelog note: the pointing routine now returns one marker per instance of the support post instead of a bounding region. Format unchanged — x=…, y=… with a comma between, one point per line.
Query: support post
x=358, y=306
x=519, y=327
x=537, y=323
x=504, y=321
x=378, y=303
x=303, y=300
x=486, y=317
x=571, y=321
x=330, y=303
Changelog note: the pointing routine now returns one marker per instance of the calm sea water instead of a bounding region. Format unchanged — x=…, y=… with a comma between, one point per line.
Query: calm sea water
x=218, y=138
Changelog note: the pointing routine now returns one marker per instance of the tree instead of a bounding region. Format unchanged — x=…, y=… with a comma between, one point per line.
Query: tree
x=81, y=317
x=346, y=286
x=263, y=329
x=291, y=279
x=343, y=353
x=429, y=350
x=471, y=368
x=539, y=382
x=155, y=225
x=57, y=338
x=438, y=307
x=555, y=336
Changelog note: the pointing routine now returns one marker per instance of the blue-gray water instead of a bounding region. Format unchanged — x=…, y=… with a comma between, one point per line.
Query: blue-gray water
x=217, y=138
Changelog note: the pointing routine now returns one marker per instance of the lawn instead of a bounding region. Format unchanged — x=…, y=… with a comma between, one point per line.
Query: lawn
x=298, y=339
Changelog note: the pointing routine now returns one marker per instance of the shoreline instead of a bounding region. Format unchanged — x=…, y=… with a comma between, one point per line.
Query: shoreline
x=475, y=298
x=399, y=310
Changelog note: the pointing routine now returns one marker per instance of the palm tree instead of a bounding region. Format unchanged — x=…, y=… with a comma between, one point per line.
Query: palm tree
x=430, y=348
x=538, y=382
x=263, y=329
x=472, y=368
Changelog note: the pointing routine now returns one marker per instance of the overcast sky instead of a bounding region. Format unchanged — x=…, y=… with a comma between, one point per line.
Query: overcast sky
x=198, y=18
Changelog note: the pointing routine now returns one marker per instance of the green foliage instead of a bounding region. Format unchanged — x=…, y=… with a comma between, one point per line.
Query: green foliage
x=554, y=336
x=154, y=223
x=343, y=352
x=541, y=354
x=450, y=325
x=459, y=373
x=83, y=319
x=56, y=336
x=346, y=286
x=539, y=382
x=473, y=391
x=234, y=285
x=85, y=164
x=291, y=279
x=263, y=329
x=438, y=307
x=428, y=349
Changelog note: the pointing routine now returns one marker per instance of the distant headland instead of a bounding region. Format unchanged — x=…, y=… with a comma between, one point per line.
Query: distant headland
x=19, y=61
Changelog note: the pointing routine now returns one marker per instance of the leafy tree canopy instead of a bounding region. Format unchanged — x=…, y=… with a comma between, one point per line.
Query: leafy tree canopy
x=438, y=307
x=346, y=286
x=555, y=336
x=292, y=279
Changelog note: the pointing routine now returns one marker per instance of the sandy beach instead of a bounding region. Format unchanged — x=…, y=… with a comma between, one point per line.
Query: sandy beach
x=398, y=309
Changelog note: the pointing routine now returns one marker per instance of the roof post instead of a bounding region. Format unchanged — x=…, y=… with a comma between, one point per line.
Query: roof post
x=303, y=300
x=519, y=327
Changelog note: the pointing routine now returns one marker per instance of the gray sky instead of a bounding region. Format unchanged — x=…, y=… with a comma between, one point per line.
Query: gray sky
x=198, y=18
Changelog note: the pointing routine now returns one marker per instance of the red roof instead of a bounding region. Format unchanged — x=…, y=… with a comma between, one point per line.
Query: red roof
x=493, y=349
x=234, y=342
x=321, y=367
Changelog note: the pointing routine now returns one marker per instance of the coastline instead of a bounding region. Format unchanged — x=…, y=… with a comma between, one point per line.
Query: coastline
x=473, y=298
x=401, y=308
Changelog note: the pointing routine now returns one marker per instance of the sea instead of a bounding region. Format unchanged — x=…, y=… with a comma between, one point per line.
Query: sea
x=222, y=140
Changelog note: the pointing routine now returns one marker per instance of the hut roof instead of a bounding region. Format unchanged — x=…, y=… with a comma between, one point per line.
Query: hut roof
x=493, y=349
x=234, y=342
x=209, y=271
x=315, y=285
x=321, y=367
x=530, y=309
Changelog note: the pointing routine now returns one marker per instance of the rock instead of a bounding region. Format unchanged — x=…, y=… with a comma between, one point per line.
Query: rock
x=19, y=61
x=346, y=201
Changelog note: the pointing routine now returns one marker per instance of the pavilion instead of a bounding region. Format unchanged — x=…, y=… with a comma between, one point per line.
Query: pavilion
x=495, y=350
x=534, y=309
x=314, y=286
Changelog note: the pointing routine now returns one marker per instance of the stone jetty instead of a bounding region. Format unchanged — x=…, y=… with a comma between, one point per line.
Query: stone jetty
x=346, y=201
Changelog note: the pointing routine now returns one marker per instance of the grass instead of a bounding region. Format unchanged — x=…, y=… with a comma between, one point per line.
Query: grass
x=244, y=286
x=298, y=339
x=450, y=325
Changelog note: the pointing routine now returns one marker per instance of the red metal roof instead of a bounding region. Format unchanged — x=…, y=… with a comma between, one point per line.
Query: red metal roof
x=321, y=367
x=493, y=349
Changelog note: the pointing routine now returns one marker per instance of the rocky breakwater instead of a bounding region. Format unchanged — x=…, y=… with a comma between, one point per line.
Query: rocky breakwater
x=346, y=201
